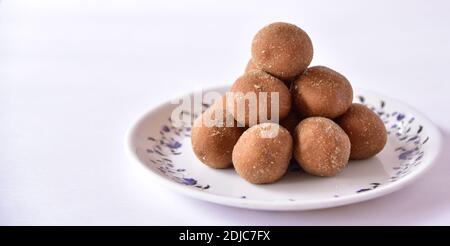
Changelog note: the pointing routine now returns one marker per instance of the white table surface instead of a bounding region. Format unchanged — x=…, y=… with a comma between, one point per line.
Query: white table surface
x=75, y=75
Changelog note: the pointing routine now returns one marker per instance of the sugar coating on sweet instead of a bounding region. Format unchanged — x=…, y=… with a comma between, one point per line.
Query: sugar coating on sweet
x=212, y=140
x=321, y=91
x=321, y=147
x=282, y=49
x=261, y=160
x=365, y=129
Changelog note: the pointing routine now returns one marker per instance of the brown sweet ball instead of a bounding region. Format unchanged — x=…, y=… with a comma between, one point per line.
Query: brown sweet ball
x=282, y=49
x=321, y=91
x=255, y=82
x=262, y=153
x=365, y=129
x=251, y=67
x=212, y=139
x=321, y=147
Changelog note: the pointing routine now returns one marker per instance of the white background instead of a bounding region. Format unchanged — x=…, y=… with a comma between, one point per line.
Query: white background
x=75, y=75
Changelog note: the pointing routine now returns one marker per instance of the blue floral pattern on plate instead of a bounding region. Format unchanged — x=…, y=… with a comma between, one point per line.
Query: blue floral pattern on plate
x=168, y=143
x=400, y=126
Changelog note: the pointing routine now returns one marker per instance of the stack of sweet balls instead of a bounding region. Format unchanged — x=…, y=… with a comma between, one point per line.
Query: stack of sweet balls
x=319, y=125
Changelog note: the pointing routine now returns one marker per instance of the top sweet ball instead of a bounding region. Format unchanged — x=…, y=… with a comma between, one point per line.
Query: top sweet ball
x=282, y=49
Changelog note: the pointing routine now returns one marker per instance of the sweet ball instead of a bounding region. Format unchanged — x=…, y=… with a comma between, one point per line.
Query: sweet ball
x=254, y=83
x=282, y=49
x=213, y=138
x=321, y=147
x=262, y=153
x=321, y=91
x=365, y=129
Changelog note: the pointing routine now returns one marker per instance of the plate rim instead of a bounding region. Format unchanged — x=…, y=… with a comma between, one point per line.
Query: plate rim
x=297, y=205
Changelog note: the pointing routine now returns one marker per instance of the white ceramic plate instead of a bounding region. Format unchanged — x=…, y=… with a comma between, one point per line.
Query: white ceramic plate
x=165, y=151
